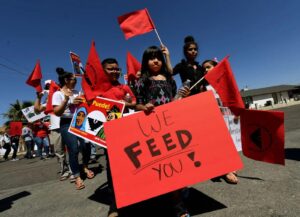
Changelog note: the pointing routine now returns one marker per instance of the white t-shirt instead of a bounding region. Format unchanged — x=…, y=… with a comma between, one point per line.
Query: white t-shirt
x=4, y=139
x=54, y=122
x=57, y=99
x=27, y=133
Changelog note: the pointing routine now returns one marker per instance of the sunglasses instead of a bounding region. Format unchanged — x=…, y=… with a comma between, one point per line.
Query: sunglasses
x=113, y=69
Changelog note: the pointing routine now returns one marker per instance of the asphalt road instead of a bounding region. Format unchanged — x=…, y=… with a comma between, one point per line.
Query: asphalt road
x=32, y=188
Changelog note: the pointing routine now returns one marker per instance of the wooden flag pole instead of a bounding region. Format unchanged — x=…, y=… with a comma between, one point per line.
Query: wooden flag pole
x=197, y=82
x=158, y=37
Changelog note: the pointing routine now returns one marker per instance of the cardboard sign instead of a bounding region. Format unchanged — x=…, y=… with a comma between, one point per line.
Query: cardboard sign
x=178, y=144
x=31, y=115
x=234, y=127
x=15, y=128
x=88, y=120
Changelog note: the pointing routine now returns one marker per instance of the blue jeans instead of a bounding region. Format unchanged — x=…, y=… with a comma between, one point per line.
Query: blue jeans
x=74, y=145
x=29, y=146
x=42, y=142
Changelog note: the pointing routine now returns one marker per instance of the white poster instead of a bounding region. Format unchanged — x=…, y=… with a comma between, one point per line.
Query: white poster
x=234, y=127
x=32, y=116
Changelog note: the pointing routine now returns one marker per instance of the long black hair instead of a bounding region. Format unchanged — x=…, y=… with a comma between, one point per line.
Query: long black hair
x=62, y=75
x=151, y=53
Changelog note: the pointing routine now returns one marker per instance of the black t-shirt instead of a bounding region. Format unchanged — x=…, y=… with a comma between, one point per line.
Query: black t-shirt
x=187, y=71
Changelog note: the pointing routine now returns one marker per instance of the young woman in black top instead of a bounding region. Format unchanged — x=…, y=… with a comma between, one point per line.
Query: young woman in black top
x=189, y=68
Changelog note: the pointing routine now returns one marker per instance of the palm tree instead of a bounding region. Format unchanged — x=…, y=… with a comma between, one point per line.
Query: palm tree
x=14, y=112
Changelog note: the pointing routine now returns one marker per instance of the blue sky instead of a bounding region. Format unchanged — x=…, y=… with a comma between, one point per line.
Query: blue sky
x=261, y=36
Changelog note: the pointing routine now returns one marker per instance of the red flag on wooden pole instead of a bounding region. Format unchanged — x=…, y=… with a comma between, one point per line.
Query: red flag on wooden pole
x=222, y=79
x=94, y=81
x=35, y=78
x=136, y=23
x=53, y=88
x=133, y=66
x=263, y=135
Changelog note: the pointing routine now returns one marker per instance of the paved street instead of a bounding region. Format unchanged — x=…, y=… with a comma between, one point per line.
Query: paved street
x=31, y=188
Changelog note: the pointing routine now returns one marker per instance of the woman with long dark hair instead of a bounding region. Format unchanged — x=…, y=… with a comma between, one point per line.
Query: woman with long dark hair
x=64, y=104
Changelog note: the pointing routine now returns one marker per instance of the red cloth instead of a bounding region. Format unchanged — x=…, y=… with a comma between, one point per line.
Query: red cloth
x=222, y=79
x=118, y=92
x=53, y=88
x=136, y=23
x=263, y=135
x=15, y=128
x=94, y=81
x=40, y=129
x=35, y=78
x=133, y=66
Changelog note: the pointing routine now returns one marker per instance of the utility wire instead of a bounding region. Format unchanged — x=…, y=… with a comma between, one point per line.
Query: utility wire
x=12, y=69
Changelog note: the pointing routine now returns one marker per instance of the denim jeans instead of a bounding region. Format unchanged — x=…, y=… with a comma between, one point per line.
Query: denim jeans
x=74, y=145
x=29, y=146
x=42, y=142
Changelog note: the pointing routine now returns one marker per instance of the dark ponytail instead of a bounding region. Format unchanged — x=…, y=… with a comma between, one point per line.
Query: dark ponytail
x=62, y=75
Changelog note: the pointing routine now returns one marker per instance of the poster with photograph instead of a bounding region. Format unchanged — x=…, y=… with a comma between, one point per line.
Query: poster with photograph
x=31, y=115
x=76, y=63
x=88, y=120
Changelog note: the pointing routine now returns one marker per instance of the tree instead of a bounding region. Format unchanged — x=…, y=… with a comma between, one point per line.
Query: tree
x=14, y=112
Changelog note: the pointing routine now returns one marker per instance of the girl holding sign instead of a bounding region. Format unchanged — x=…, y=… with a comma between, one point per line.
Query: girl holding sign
x=64, y=104
x=156, y=87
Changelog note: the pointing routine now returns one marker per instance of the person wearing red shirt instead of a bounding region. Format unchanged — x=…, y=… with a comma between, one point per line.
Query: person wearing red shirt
x=41, y=138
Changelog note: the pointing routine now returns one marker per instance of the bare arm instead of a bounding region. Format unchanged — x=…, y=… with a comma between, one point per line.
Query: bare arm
x=37, y=103
x=166, y=53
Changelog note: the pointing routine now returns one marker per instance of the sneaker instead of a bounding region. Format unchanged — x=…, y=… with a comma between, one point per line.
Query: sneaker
x=14, y=159
x=72, y=178
x=64, y=176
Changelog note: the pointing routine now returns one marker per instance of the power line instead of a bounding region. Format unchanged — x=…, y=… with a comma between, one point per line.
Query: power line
x=12, y=69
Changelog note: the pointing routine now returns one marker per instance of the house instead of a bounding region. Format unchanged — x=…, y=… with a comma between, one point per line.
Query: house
x=257, y=98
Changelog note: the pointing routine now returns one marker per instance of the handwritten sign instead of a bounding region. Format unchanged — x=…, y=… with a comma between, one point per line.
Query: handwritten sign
x=179, y=144
x=88, y=120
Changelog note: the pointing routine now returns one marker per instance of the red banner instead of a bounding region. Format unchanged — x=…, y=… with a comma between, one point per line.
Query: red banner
x=169, y=149
x=15, y=128
x=263, y=135
x=88, y=120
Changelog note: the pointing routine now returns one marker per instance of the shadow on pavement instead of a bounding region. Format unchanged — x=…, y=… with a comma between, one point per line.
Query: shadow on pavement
x=292, y=154
x=6, y=203
x=196, y=203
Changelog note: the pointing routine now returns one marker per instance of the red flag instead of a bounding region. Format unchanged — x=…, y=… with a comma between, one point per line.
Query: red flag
x=53, y=88
x=35, y=78
x=15, y=128
x=94, y=81
x=133, y=66
x=136, y=23
x=263, y=135
x=222, y=79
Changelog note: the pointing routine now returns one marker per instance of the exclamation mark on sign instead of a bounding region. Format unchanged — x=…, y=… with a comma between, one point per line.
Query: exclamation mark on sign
x=192, y=157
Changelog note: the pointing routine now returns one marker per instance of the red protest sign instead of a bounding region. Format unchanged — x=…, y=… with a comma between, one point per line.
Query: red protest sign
x=263, y=135
x=88, y=120
x=15, y=128
x=179, y=144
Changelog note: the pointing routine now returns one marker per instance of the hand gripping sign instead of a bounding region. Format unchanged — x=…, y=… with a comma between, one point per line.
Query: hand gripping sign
x=179, y=144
